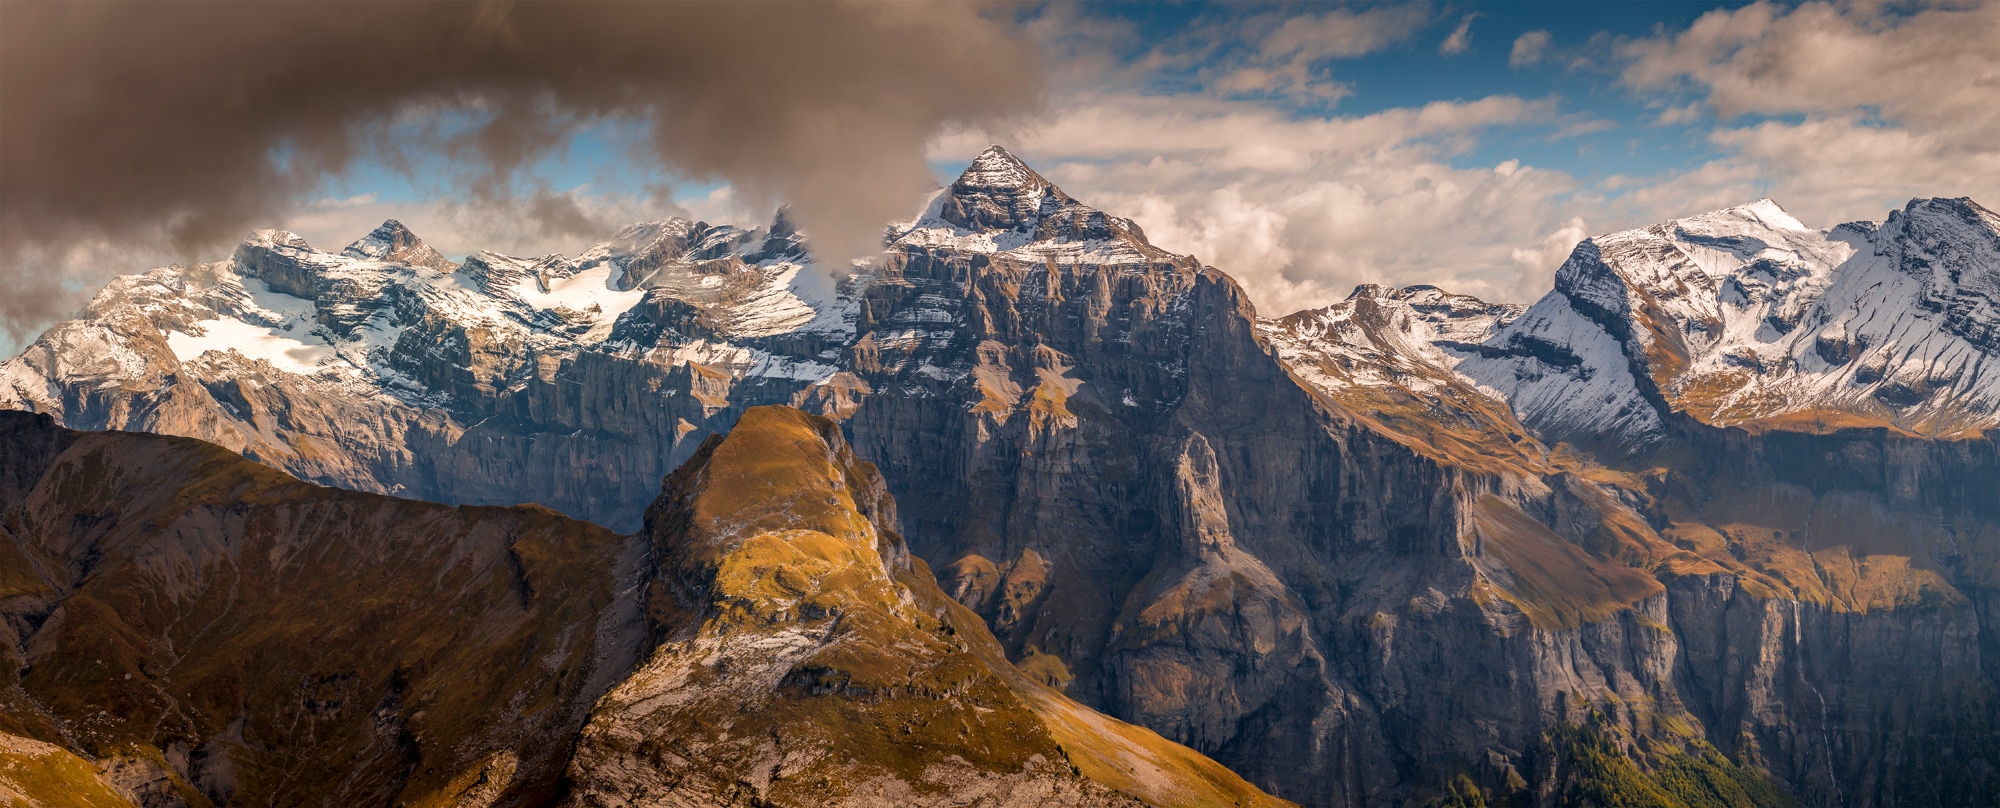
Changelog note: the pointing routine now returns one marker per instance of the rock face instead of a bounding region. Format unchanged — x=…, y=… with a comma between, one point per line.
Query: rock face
x=1722, y=502
x=184, y=627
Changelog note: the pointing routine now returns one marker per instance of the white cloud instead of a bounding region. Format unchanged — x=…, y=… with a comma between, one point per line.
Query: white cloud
x=1837, y=111
x=1539, y=263
x=1301, y=210
x=1340, y=33
x=1460, y=39
x=535, y=224
x=1529, y=48
x=1583, y=126
x=1674, y=116
x=1275, y=55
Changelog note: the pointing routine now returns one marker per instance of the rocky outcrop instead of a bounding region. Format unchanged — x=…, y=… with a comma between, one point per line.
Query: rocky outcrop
x=814, y=661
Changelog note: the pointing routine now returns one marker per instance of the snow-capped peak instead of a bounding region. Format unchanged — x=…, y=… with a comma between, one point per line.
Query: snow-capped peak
x=996, y=169
x=387, y=238
x=392, y=242
x=1745, y=316
x=1764, y=213
x=1001, y=206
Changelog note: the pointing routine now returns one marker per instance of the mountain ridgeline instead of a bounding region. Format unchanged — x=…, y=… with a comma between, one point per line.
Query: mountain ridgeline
x=1714, y=522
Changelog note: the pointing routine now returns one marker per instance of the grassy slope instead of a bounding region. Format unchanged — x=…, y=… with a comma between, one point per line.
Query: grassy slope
x=39, y=775
x=322, y=642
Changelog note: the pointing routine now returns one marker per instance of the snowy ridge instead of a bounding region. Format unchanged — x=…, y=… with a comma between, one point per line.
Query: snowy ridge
x=1747, y=317
x=1562, y=374
x=388, y=316
x=1384, y=337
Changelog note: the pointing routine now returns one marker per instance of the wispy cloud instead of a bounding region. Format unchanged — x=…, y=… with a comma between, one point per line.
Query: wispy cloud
x=1530, y=48
x=1460, y=38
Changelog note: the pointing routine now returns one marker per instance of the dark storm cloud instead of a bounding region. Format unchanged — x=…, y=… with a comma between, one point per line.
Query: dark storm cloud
x=192, y=122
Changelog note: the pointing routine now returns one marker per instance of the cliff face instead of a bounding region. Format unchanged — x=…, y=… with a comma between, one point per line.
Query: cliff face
x=1870, y=677
x=814, y=661
x=184, y=627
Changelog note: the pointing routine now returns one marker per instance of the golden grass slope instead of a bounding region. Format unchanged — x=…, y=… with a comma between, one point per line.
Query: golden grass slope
x=40, y=775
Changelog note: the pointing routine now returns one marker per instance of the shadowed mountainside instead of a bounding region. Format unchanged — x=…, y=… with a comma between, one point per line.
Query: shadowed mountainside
x=185, y=627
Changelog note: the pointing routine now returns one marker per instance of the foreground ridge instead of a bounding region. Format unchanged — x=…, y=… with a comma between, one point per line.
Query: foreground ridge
x=768, y=641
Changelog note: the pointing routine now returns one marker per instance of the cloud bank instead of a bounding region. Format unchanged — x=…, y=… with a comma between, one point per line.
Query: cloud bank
x=1837, y=111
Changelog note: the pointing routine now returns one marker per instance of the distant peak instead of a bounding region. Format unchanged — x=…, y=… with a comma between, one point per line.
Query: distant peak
x=393, y=242
x=1962, y=207
x=1763, y=213
x=996, y=168
x=1373, y=290
x=394, y=232
x=1771, y=213
x=390, y=237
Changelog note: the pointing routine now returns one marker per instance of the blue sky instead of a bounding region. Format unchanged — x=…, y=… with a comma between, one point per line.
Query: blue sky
x=1307, y=148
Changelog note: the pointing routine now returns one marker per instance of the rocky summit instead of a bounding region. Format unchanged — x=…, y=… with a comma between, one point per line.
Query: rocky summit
x=1714, y=522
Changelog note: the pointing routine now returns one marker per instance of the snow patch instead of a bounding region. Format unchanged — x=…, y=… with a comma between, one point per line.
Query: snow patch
x=586, y=292
x=276, y=346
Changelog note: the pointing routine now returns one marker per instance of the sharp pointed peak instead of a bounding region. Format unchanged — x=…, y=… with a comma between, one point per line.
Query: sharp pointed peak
x=996, y=153
x=389, y=237
x=394, y=232
x=998, y=168
x=392, y=241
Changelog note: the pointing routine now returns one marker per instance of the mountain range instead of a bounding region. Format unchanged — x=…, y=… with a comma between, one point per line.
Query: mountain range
x=1716, y=521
